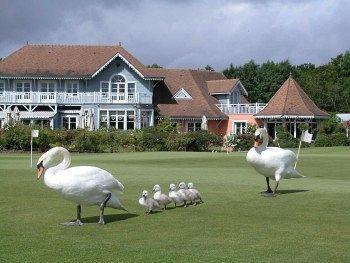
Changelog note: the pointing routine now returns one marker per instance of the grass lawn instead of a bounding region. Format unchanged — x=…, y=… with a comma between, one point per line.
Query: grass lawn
x=308, y=222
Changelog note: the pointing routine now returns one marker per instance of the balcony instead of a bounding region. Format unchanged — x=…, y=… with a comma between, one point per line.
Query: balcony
x=251, y=108
x=77, y=98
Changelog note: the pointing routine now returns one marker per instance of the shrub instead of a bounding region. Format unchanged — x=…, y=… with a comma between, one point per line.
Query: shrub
x=285, y=139
x=329, y=140
x=16, y=137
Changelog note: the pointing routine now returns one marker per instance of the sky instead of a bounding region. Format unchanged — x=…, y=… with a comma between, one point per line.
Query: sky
x=185, y=33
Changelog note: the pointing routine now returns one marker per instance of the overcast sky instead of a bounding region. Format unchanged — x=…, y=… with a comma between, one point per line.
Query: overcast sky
x=185, y=33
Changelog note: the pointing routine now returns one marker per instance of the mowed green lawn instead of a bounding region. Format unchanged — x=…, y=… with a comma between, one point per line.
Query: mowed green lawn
x=309, y=221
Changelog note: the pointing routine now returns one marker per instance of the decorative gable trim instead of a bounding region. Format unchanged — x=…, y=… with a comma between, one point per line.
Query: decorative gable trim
x=128, y=63
x=241, y=87
x=113, y=58
x=182, y=94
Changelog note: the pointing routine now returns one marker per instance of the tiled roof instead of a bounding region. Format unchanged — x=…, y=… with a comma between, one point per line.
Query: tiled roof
x=221, y=86
x=194, y=82
x=64, y=61
x=291, y=101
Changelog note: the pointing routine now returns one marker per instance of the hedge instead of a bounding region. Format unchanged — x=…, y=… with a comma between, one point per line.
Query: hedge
x=17, y=137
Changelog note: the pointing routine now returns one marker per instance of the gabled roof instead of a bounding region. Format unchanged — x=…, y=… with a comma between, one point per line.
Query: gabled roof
x=291, y=101
x=66, y=61
x=182, y=94
x=194, y=82
x=222, y=86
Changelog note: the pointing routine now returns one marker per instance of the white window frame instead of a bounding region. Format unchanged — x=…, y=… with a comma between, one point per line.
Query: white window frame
x=151, y=116
x=183, y=91
x=125, y=125
x=23, y=81
x=69, y=121
x=117, y=94
x=2, y=92
x=241, y=128
x=70, y=93
x=194, y=126
x=47, y=83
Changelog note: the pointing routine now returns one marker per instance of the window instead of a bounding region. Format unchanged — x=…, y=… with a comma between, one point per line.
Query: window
x=121, y=118
x=104, y=86
x=145, y=119
x=118, y=89
x=239, y=127
x=69, y=122
x=2, y=88
x=103, y=119
x=117, y=78
x=72, y=88
x=130, y=120
x=47, y=86
x=194, y=126
x=118, y=119
x=23, y=86
x=131, y=91
x=182, y=94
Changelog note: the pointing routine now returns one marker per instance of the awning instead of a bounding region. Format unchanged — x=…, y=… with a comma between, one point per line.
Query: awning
x=32, y=115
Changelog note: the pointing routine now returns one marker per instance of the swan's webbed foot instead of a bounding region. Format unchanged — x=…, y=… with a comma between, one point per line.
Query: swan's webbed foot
x=73, y=223
x=268, y=191
x=101, y=221
x=268, y=194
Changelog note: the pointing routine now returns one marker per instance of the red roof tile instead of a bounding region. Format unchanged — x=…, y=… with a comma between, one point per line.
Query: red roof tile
x=291, y=100
x=194, y=82
x=63, y=61
x=221, y=86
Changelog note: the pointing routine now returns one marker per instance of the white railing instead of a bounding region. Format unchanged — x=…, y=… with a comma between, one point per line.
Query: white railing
x=76, y=98
x=251, y=108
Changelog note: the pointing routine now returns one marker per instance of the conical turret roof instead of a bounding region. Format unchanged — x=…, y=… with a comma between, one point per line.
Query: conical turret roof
x=291, y=101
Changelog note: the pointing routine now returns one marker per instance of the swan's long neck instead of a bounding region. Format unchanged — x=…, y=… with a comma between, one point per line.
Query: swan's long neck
x=264, y=143
x=62, y=165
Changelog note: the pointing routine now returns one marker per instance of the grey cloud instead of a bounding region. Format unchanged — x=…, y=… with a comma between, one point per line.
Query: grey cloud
x=185, y=33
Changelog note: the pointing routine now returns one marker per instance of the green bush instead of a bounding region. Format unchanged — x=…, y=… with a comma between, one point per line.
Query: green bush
x=16, y=137
x=329, y=140
x=285, y=139
x=331, y=133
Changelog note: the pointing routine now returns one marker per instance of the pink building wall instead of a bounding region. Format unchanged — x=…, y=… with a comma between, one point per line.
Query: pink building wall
x=223, y=127
x=226, y=126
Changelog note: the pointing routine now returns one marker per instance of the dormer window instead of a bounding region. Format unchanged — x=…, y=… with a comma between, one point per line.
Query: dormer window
x=182, y=94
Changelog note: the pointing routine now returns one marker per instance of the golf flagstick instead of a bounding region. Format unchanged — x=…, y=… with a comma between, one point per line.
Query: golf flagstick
x=295, y=165
x=33, y=134
x=305, y=137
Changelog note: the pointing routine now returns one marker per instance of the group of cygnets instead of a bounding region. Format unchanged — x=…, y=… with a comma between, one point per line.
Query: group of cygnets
x=183, y=196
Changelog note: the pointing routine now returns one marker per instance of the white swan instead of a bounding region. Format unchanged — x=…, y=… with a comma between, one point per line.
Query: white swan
x=195, y=192
x=149, y=203
x=84, y=185
x=161, y=198
x=272, y=162
x=174, y=195
x=186, y=195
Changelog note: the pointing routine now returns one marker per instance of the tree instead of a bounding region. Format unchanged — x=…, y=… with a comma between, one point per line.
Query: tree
x=209, y=68
x=154, y=65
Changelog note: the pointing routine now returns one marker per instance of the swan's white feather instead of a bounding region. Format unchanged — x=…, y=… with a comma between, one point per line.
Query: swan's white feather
x=86, y=185
x=273, y=162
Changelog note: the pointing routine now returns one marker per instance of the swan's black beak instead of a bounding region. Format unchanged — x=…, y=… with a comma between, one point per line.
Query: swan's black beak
x=41, y=169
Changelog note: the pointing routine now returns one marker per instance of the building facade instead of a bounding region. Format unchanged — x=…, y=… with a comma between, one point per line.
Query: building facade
x=74, y=86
